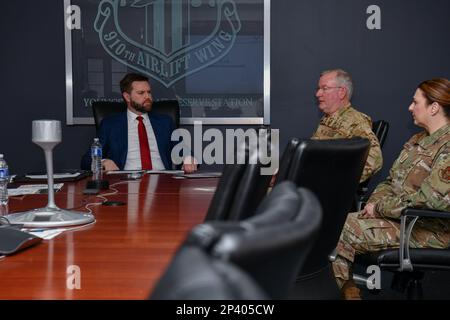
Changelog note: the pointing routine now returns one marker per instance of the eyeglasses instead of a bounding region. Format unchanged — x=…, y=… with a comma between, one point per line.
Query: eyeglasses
x=325, y=88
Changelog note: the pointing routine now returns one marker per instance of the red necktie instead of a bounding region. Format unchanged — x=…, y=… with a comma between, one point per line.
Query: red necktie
x=146, y=159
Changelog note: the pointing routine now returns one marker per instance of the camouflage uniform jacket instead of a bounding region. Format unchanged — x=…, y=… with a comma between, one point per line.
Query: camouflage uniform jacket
x=420, y=177
x=349, y=123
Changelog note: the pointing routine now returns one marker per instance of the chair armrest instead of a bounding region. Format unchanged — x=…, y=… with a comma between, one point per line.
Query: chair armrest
x=426, y=213
x=332, y=256
x=406, y=230
x=362, y=190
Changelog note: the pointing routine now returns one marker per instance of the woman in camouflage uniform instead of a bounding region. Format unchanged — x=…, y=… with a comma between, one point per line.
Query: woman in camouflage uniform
x=420, y=177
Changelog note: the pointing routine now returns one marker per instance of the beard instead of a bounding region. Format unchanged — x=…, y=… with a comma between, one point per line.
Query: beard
x=143, y=108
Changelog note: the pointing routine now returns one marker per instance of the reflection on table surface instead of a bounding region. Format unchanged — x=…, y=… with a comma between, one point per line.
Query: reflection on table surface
x=123, y=254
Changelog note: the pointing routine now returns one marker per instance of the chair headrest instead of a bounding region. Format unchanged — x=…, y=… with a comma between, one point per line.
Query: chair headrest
x=194, y=275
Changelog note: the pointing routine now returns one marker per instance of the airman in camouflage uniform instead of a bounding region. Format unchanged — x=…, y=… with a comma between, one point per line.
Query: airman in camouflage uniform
x=341, y=120
x=348, y=123
x=420, y=177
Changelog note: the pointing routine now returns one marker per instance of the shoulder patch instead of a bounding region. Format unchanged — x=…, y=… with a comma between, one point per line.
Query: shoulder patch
x=444, y=174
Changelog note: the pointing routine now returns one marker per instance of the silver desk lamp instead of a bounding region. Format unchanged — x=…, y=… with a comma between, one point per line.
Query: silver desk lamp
x=47, y=134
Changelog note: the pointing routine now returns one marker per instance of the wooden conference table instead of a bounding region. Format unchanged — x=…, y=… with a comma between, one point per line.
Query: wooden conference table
x=123, y=254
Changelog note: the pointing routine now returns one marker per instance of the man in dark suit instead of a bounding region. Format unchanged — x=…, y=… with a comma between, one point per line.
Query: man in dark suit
x=138, y=138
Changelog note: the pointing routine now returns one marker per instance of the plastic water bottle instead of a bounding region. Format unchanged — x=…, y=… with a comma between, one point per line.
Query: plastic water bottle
x=4, y=179
x=96, y=156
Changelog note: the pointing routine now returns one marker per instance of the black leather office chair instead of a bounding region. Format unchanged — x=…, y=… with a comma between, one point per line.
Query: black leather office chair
x=240, y=190
x=381, y=129
x=408, y=265
x=103, y=109
x=195, y=275
x=286, y=159
x=331, y=169
x=272, y=245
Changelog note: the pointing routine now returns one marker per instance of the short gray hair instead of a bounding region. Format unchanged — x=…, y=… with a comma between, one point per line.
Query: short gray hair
x=344, y=79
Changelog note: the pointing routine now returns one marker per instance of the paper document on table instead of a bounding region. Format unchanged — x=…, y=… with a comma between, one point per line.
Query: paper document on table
x=165, y=171
x=124, y=171
x=32, y=189
x=199, y=175
x=47, y=234
x=55, y=176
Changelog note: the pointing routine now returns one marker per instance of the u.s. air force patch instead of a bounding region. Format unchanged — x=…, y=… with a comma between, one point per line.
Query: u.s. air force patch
x=444, y=174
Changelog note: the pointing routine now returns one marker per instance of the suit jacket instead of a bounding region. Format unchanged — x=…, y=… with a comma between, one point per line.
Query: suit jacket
x=113, y=135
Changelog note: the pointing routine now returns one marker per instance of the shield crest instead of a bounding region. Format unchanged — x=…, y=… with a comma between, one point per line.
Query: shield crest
x=167, y=40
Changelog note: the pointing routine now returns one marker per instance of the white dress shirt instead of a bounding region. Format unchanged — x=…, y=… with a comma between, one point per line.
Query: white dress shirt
x=134, y=154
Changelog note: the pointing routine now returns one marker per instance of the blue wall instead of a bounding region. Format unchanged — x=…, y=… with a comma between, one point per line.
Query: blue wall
x=307, y=36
